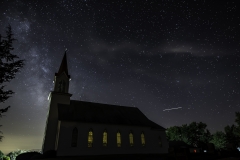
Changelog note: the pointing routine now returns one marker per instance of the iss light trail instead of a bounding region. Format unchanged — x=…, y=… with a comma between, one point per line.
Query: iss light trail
x=171, y=109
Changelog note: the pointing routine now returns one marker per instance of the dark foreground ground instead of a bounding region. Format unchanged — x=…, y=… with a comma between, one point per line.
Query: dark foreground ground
x=199, y=156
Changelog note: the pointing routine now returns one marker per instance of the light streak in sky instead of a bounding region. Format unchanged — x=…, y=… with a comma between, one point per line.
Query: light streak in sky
x=171, y=109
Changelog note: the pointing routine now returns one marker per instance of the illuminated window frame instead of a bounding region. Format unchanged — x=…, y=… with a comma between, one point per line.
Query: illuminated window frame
x=74, y=137
x=131, y=139
x=105, y=138
x=90, y=138
x=118, y=139
x=143, y=139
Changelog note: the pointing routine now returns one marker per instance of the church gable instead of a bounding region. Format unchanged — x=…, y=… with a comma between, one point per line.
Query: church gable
x=89, y=112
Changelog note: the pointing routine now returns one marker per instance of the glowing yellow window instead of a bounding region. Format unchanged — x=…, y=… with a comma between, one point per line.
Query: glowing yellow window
x=105, y=138
x=90, y=138
x=142, y=139
x=131, y=139
x=160, y=141
x=118, y=139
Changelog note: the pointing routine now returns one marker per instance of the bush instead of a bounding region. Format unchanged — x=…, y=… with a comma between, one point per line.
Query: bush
x=27, y=155
x=14, y=154
x=1, y=155
x=37, y=157
x=6, y=158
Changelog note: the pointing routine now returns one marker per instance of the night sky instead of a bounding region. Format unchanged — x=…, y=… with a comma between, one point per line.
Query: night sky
x=153, y=55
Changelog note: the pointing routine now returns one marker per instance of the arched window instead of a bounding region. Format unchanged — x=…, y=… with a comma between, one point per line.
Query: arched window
x=105, y=138
x=74, y=137
x=131, y=139
x=143, y=139
x=118, y=139
x=160, y=141
x=90, y=138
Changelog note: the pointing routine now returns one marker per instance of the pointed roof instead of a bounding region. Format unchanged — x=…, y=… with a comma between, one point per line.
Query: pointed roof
x=63, y=66
x=89, y=112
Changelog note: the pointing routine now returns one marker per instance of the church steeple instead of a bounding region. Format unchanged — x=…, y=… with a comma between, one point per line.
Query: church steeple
x=59, y=95
x=63, y=67
x=61, y=77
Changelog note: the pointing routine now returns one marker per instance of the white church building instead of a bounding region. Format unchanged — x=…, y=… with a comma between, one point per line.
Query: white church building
x=76, y=128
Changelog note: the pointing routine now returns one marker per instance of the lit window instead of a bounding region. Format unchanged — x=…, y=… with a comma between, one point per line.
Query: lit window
x=74, y=137
x=118, y=139
x=90, y=138
x=142, y=139
x=105, y=138
x=131, y=139
x=160, y=141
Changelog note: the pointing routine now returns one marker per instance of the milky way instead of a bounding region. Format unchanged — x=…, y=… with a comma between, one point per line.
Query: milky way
x=153, y=55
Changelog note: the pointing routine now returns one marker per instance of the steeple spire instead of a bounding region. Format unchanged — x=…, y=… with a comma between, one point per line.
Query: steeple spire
x=58, y=95
x=63, y=66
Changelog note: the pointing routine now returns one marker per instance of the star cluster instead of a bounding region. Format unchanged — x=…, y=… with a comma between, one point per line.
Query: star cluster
x=154, y=55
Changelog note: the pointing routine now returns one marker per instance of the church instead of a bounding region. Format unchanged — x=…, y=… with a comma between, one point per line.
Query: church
x=79, y=128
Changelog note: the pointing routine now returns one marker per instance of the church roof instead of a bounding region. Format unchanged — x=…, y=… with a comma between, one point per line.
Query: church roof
x=89, y=112
x=63, y=66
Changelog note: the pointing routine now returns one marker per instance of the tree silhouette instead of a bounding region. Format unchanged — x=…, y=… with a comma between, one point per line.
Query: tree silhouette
x=237, y=120
x=233, y=132
x=192, y=134
x=9, y=66
x=219, y=140
x=174, y=133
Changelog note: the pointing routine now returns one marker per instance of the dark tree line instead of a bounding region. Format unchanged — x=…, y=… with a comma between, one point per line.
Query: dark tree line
x=10, y=64
x=192, y=134
x=197, y=133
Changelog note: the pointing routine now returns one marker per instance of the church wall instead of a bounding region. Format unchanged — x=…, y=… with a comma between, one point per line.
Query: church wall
x=151, y=138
